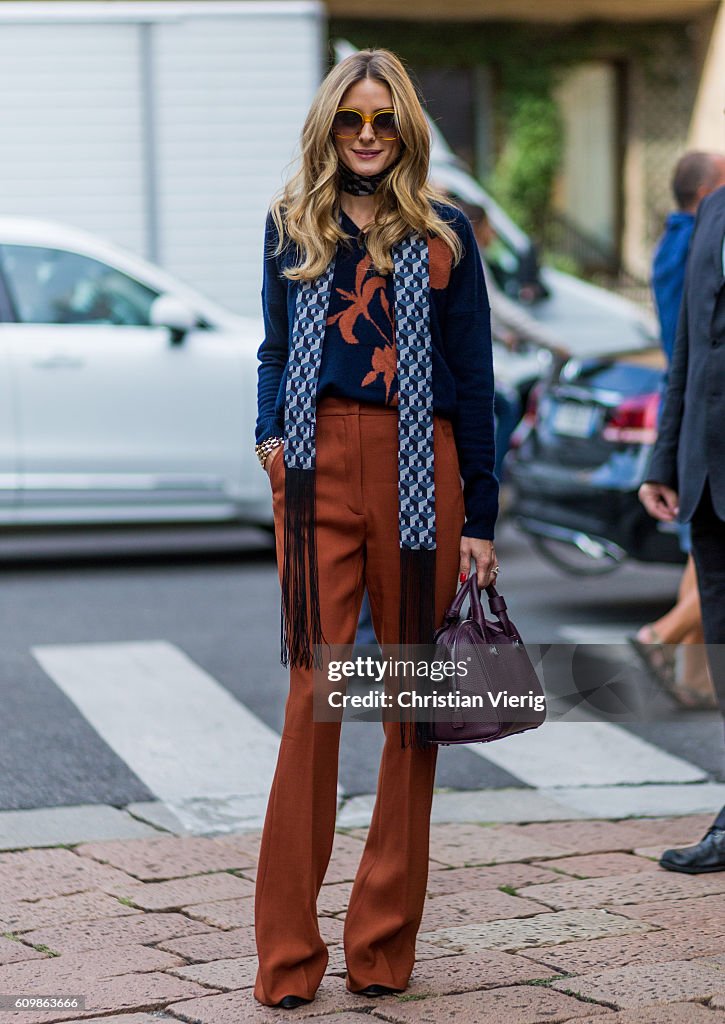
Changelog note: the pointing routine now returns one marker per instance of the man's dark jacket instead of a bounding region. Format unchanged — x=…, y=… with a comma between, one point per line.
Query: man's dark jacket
x=691, y=442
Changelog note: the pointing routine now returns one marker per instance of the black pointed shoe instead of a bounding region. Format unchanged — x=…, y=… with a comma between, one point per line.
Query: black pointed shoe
x=377, y=990
x=707, y=855
x=292, y=1002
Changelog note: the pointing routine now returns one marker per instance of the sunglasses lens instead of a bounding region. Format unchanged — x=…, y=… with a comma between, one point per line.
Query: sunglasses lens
x=384, y=125
x=347, y=123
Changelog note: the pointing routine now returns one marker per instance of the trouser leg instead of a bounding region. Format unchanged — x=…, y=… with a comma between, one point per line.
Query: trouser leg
x=708, y=549
x=388, y=894
x=300, y=821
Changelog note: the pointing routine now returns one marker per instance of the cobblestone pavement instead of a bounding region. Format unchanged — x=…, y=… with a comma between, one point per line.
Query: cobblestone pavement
x=549, y=922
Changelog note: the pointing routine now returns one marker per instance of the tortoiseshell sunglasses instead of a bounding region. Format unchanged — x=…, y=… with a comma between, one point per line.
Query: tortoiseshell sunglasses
x=349, y=122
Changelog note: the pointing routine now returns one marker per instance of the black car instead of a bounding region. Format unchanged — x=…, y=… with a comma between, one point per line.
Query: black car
x=581, y=454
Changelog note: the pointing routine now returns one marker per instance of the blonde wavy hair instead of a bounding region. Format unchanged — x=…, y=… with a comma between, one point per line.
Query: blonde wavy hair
x=305, y=210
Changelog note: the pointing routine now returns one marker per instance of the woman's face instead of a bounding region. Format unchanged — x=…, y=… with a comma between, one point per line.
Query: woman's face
x=367, y=153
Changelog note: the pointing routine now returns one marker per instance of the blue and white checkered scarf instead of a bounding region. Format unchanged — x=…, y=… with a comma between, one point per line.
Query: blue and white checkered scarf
x=301, y=627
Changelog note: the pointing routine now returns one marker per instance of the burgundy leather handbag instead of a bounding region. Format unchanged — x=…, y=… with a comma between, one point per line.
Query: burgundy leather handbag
x=494, y=674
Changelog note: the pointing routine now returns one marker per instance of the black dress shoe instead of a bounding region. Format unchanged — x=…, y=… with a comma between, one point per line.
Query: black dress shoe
x=292, y=1002
x=707, y=855
x=377, y=990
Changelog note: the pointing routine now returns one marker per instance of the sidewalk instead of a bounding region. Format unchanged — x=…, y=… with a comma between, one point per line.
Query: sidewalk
x=570, y=920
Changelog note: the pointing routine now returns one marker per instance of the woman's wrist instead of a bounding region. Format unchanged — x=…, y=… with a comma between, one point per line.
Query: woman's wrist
x=264, y=449
x=271, y=457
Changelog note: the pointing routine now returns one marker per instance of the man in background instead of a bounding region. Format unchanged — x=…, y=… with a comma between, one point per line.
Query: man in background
x=686, y=475
x=696, y=175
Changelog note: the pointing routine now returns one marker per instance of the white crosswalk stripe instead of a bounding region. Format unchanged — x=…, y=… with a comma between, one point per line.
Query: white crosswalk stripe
x=594, y=634
x=587, y=753
x=184, y=735
x=210, y=760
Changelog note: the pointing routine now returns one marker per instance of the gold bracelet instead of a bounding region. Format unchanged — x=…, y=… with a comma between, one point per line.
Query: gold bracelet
x=263, y=449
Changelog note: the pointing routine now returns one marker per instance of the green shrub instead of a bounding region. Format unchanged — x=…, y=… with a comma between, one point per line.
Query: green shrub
x=524, y=174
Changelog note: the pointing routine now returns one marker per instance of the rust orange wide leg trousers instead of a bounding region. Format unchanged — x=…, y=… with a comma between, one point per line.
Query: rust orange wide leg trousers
x=358, y=546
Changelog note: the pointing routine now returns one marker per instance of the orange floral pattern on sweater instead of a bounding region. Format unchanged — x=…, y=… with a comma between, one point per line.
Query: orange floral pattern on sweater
x=360, y=299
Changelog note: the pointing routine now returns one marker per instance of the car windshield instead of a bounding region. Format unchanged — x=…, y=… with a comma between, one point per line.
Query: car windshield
x=504, y=263
x=55, y=286
x=515, y=270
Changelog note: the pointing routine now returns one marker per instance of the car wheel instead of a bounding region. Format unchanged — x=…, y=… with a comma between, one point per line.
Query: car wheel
x=575, y=562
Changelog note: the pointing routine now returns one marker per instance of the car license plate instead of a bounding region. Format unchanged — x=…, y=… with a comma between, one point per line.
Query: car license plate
x=574, y=419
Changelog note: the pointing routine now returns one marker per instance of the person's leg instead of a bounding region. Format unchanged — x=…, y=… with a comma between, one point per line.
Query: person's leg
x=387, y=899
x=300, y=821
x=708, y=548
x=689, y=576
x=683, y=617
x=507, y=410
x=365, y=631
x=693, y=683
x=656, y=643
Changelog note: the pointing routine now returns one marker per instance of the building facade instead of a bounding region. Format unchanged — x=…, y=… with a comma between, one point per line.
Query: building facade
x=634, y=83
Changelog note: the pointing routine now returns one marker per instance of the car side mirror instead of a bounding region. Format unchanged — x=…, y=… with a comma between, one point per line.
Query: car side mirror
x=173, y=313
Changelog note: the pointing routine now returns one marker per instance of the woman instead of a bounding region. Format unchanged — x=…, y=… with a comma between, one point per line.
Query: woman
x=365, y=439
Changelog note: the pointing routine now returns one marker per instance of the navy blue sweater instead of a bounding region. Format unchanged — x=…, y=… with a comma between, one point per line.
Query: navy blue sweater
x=358, y=353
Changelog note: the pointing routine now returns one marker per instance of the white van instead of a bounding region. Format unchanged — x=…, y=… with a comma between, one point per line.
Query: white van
x=163, y=127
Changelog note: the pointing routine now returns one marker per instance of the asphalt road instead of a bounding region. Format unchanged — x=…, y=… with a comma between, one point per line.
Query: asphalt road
x=214, y=594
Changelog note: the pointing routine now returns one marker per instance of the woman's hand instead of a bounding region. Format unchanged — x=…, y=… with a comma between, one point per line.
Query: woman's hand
x=484, y=555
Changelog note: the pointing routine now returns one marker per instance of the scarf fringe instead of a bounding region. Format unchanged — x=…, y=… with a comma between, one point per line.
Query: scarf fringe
x=300, y=627
x=301, y=634
x=417, y=623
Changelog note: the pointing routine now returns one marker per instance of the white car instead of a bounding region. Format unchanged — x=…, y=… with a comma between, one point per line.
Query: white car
x=125, y=396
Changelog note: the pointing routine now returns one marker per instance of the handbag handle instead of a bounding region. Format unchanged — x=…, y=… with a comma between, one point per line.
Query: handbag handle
x=496, y=603
x=453, y=611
